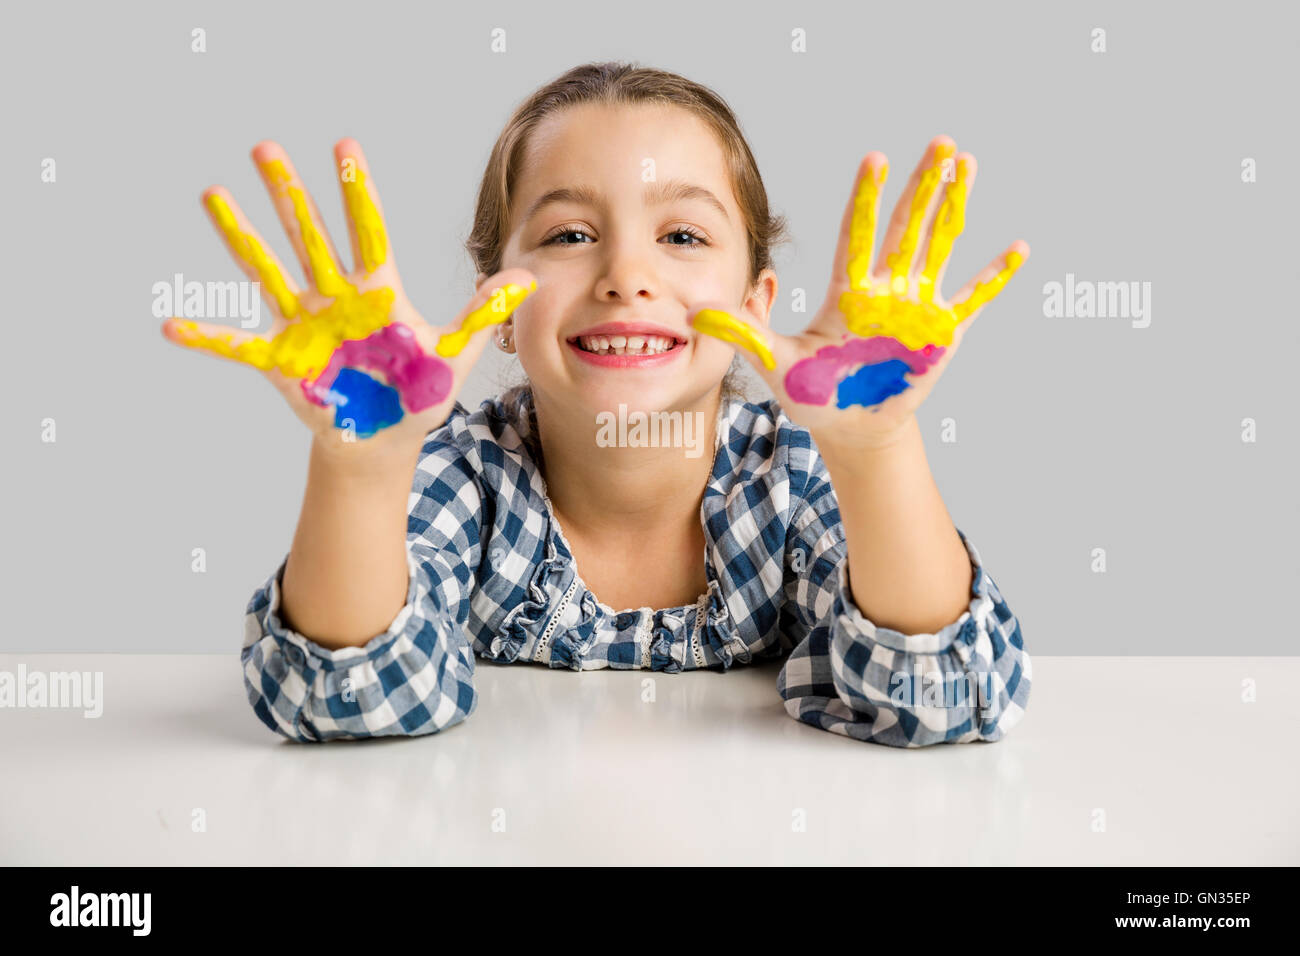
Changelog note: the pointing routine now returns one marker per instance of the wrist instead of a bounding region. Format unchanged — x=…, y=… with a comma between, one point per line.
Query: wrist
x=844, y=448
x=366, y=459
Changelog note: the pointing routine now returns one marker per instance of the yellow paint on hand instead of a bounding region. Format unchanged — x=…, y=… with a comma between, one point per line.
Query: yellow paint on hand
x=725, y=326
x=372, y=237
x=984, y=291
x=900, y=262
x=885, y=306
x=862, y=228
x=917, y=324
x=948, y=225
x=914, y=324
x=247, y=248
x=325, y=276
x=503, y=301
x=304, y=347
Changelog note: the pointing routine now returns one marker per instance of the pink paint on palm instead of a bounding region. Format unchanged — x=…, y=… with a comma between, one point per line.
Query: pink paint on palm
x=422, y=380
x=812, y=381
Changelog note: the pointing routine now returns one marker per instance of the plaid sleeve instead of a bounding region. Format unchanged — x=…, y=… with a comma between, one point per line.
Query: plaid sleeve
x=417, y=676
x=968, y=681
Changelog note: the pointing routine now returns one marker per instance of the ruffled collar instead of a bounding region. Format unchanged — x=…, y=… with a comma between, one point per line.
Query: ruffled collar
x=558, y=574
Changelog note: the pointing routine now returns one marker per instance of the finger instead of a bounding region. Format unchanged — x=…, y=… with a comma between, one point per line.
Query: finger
x=979, y=291
x=493, y=303
x=222, y=341
x=903, y=237
x=366, y=228
x=761, y=347
x=257, y=261
x=949, y=222
x=852, y=266
x=300, y=218
x=298, y=350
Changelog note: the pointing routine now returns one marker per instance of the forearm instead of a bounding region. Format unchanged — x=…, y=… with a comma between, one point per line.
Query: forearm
x=347, y=574
x=908, y=569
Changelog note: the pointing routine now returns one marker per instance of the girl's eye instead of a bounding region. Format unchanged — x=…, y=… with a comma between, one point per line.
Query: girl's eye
x=691, y=233
x=554, y=238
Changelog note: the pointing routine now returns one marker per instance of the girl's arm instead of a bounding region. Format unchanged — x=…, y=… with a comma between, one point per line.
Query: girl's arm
x=908, y=569
x=968, y=679
x=347, y=574
x=855, y=378
x=371, y=379
x=413, y=672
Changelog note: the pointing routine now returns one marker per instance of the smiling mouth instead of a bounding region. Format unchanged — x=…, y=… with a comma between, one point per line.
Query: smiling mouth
x=629, y=345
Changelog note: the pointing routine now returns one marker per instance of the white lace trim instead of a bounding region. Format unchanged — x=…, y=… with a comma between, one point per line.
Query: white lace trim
x=644, y=633
x=539, y=654
x=697, y=650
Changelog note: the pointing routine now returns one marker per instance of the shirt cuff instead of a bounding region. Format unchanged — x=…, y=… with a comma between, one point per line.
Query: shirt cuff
x=297, y=647
x=854, y=622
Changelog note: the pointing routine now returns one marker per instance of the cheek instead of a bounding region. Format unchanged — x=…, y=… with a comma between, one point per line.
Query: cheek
x=537, y=344
x=714, y=283
x=713, y=354
x=537, y=321
x=687, y=285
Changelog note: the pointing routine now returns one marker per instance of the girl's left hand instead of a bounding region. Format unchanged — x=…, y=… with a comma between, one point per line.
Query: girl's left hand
x=885, y=334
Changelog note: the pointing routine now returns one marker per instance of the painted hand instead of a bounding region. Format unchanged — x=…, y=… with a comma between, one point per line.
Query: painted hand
x=352, y=341
x=885, y=334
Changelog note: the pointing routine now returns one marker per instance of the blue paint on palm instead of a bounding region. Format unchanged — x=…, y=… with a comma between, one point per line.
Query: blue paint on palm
x=370, y=404
x=872, y=384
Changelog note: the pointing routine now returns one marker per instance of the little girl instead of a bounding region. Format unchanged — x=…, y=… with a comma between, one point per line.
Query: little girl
x=622, y=237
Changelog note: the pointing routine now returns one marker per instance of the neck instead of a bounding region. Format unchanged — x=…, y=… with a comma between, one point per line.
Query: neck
x=603, y=476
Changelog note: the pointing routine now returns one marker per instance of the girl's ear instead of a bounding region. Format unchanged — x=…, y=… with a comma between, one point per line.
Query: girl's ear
x=761, y=298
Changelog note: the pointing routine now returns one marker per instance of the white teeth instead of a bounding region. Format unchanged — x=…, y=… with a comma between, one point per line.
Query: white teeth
x=626, y=345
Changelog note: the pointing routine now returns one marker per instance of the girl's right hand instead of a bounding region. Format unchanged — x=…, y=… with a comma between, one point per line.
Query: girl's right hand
x=350, y=354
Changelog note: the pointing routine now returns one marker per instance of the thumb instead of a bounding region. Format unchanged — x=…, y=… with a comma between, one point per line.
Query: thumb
x=762, y=348
x=492, y=304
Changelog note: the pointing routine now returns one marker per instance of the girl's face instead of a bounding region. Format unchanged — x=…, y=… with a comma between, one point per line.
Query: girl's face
x=626, y=217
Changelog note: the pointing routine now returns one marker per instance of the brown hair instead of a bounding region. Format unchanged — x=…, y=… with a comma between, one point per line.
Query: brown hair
x=619, y=83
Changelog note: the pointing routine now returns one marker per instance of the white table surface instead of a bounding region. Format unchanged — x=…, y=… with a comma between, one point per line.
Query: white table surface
x=582, y=770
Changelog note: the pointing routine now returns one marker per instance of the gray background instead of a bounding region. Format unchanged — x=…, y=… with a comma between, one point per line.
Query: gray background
x=1073, y=434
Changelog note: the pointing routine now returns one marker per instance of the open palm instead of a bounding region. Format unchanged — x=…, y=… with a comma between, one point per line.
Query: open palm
x=885, y=334
x=349, y=353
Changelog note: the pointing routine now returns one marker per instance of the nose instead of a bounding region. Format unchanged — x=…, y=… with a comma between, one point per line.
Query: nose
x=628, y=276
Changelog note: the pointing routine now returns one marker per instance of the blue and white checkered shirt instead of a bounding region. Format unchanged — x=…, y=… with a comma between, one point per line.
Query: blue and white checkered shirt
x=491, y=574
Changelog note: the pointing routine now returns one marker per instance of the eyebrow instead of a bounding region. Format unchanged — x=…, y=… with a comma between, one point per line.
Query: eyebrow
x=656, y=193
